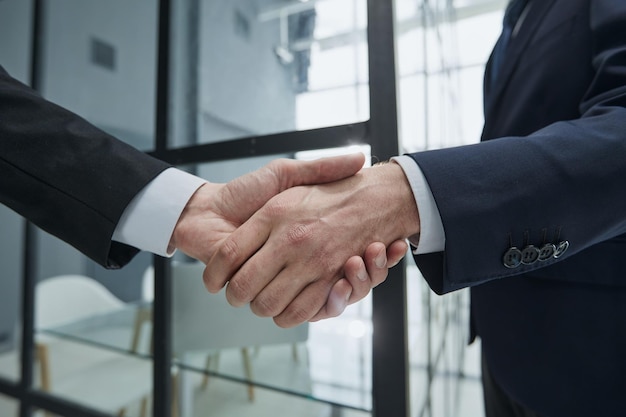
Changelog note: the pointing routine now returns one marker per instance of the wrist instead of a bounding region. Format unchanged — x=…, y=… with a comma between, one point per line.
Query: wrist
x=389, y=196
x=401, y=199
x=200, y=202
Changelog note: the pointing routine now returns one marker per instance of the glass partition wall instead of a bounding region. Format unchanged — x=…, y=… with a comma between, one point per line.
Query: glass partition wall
x=15, y=40
x=442, y=48
x=219, y=88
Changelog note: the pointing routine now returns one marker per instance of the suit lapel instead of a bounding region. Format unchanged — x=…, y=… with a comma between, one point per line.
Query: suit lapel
x=537, y=11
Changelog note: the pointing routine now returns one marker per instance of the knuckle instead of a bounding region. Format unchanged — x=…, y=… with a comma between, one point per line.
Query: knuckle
x=359, y=292
x=299, y=233
x=275, y=208
x=238, y=291
x=264, y=306
x=277, y=164
x=279, y=169
x=296, y=315
x=280, y=322
x=228, y=252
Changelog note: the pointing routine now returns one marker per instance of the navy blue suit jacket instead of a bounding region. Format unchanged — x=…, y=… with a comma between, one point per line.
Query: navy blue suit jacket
x=551, y=168
x=66, y=176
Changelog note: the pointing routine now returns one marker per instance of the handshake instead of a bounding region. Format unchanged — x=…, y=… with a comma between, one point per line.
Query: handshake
x=299, y=241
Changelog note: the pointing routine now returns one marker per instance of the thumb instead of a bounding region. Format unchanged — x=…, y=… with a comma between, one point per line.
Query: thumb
x=319, y=171
x=244, y=195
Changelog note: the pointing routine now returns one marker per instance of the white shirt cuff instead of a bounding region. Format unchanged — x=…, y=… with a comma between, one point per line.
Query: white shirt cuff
x=432, y=237
x=149, y=220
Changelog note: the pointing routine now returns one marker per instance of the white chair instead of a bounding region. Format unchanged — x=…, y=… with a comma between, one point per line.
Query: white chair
x=95, y=376
x=204, y=324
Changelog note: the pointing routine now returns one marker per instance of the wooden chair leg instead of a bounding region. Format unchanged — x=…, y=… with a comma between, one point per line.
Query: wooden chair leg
x=175, y=406
x=41, y=353
x=294, y=353
x=143, y=407
x=207, y=367
x=143, y=316
x=42, y=357
x=211, y=359
x=247, y=366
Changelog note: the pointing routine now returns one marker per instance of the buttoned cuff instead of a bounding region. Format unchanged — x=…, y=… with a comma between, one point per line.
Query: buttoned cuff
x=431, y=237
x=149, y=220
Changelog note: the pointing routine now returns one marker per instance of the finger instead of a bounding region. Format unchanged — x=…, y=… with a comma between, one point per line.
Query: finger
x=306, y=305
x=239, y=246
x=337, y=301
x=243, y=196
x=275, y=295
x=262, y=266
x=395, y=252
x=259, y=271
x=318, y=171
x=358, y=277
x=375, y=258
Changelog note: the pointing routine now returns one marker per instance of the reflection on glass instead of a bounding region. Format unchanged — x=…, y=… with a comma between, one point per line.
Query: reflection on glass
x=88, y=331
x=418, y=336
x=442, y=49
x=11, y=242
x=8, y=406
x=440, y=70
x=329, y=360
x=248, y=66
x=333, y=107
x=324, y=153
x=100, y=62
x=224, y=398
x=340, y=357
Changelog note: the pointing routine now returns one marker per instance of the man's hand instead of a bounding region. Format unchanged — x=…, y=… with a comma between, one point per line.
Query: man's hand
x=217, y=210
x=290, y=254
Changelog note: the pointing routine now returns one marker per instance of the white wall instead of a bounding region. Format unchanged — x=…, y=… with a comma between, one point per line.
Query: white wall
x=245, y=89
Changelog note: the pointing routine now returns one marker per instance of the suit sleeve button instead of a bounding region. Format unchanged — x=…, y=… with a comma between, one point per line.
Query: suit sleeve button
x=561, y=248
x=547, y=251
x=512, y=257
x=530, y=254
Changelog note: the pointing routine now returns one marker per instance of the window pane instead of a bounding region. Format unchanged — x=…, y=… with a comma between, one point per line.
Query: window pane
x=411, y=107
x=100, y=62
x=15, y=37
x=244, y=68
x=477, y=35
x=11, y=244
x=471, y=104
x=442, y=50
x=8, y=406
x=332, y=107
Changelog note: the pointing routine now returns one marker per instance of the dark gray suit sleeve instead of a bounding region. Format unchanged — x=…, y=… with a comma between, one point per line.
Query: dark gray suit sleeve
x=66, y=176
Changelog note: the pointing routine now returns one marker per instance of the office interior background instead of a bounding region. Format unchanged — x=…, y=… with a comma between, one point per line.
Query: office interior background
x=220, y=88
